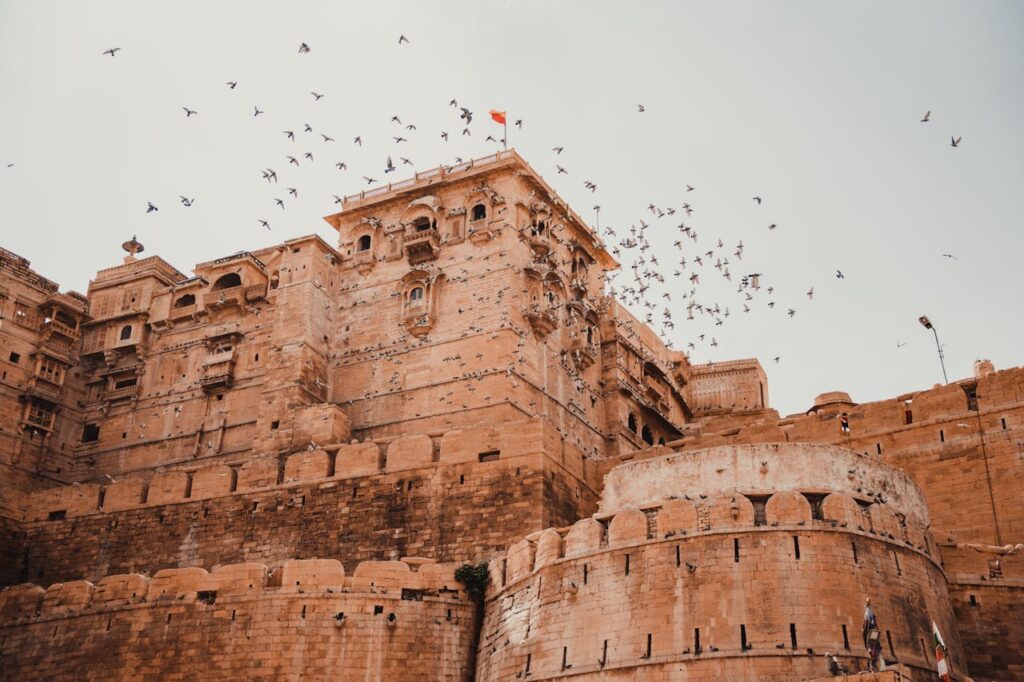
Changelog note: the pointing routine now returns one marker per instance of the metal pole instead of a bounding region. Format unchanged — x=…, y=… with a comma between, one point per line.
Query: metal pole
x=942, y=360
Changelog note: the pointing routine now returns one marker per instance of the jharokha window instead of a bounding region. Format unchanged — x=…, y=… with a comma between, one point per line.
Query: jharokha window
x=40, y=414
x=416, y=296
x=479, y=212
x=364, y=243
x=52, y=371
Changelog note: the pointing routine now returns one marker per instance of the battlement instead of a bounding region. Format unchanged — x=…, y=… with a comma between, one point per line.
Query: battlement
x=684, y=581
x=484, y=446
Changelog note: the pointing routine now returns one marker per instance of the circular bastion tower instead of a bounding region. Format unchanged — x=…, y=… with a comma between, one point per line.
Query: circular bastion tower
x=731, y=563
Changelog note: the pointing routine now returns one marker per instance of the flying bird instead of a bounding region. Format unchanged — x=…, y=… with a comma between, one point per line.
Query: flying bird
x=444, y=135
x=151, y=207
x=294, y=192
x=290, y=134
x=557, y=150
x=640, y=108
x=927, y=115
x=840, y=275
x=758, y=200
x=390, y=166
x=772, y=226
x=185, y=201
x=316, y=95
x=327, y=138
x=264, y=223
x=112, y=51
x=402, y=39
x=358, y=141
x=900, y=345
x=954, y=141
x=949, y=255
x=369, y=181
x=232, y=84
x=256, y=112
x=810, y=293
x=279, y=202
x=341, y=165
x=189, y=112
x=467, y=115
x=303, y=48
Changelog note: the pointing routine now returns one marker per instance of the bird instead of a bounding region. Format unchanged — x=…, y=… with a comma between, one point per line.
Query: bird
x=112, y=51
x=292, y=159
x=151, y=207
x=840, y=275
x=561, y=170
x=279, y=202
x=640, y=108
x=369, y=181
x=341, y=165
x=399, y=139
x=900, y=345
x=185, y=201
x=232, y=84
x=390, y=166
x=309, y=155
x=294, y=192
x=949, y=255
x=303, y=48
x=772, y=226
x=557, y=150
x=264, y=223
x=405, y=161
x=467, y=115
x=290, y=134
x=256, y=112
x=327, y=138
x=358, y=140
x=189, y=112
x=810, y=293
x=402, y=39
x=777, y=358
x=690, y=188
x=316, y=95
x=954, y=141
x=308, y=128
x=444, y=135
x=927, y=115
x=519, y=123
x=758, y=200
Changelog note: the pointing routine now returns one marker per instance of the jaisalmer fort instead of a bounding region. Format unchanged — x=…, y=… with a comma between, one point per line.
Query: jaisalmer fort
x=438, y=450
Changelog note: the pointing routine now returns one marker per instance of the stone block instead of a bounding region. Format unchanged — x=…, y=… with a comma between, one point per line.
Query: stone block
x=169, y=486
x=731, y=510
x=260, y=472
x=121, y=590
x=212, y=481
x=627, y=527
x=236, y=579
x=21, y=601
x=321, y=424
x=69, y=597
x=676, y=517
x=787, y=508
x=549, y=547
x=72, y=500
x=520, y=560
x=312, y=575
x=125, y=494
x=585, y=536
x=307, y=466
x=410, y=452
x=178, y=584
x=357, y=459
x=393, y=574
x=844, y=510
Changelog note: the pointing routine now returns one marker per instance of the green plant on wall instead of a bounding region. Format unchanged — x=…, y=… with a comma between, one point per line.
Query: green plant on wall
x=475, y=578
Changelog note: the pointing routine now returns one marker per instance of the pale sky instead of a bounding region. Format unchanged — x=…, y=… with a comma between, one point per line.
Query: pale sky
x=814, y=106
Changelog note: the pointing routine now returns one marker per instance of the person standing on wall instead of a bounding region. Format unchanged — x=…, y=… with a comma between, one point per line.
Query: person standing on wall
x=872, y=638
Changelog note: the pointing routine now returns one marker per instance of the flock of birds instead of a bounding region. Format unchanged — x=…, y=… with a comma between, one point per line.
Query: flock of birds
x=641, y=282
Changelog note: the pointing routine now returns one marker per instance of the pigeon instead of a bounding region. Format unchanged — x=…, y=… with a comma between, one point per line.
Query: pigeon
x=264, y=223
x=112, y=51
x=232, y=84
x=927, y=116
x=369, y=181
x=185, y=201
x=810, y=293
x=467, y=115
x=294, y=192
x=316, y=95
x=840, y=275
x=327, y=138
x=341, y=165
x=151, y=207
x=303, y=48
x=640, y=108
x=390, y=166
x=189, y=112
x=772, y=226
x=557, y=150
x=290, y=134
x=279, y=202
x=402, y=39
x=256, y=112
x=358, y=141
x=444, y=135
x=758, y=200
x=954, y=141
x=949, y=255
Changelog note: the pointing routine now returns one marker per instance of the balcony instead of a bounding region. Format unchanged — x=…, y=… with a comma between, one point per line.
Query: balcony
x=540, y=244
x=421, y=245
x=52, y=327
x=124, y=393
x=582, y=353
x=542, y=318
x=656, y=391
x=218, y=371
x=224, y=298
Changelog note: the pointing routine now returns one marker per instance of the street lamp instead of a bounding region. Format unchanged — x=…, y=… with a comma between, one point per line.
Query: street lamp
x=927, y=324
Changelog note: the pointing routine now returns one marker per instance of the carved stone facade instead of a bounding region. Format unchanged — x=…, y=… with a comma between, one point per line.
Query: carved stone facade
x=184, y=454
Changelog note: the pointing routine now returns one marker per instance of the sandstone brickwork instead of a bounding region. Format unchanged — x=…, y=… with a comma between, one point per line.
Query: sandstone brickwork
x=450, y=381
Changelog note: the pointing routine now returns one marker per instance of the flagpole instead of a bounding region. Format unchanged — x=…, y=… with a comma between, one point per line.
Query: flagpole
x=505, y=125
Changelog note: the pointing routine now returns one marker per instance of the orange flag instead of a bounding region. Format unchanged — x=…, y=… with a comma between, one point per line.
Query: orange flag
x=498, y=116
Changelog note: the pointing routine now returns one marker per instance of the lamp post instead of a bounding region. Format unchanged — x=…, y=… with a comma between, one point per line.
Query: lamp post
x=927, y=324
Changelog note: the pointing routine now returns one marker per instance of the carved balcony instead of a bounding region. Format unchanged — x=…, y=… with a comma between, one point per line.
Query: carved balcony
x=582, y=353
x=542, y=318
x=123, y=393
x=218, y=371
x=224, y=298
x=53, y=327
x=421, y=245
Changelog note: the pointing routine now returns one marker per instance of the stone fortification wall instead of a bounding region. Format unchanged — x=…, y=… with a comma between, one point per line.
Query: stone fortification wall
x=306, y=619
x=468, y=494
x=732, y=585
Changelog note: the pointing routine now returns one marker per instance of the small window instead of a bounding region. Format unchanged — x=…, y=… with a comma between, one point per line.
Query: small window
x=91, y=433
x=490, y=456
x=422, y=224
x=631, y=422
x=227, y=281
x=125, y=383
x=416, y=295
x=126, y=332
x=185, y=301
x=14, y=357
x=647, y=436
x=364, y=243
x=479, y=212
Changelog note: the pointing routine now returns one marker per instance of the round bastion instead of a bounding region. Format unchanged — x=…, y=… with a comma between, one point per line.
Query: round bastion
x=733, y=562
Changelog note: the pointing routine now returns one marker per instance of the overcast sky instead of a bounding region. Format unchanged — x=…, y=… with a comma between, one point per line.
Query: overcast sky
x=814, y=106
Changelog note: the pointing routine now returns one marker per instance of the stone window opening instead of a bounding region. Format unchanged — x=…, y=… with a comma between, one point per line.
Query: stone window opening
x=423, y=224
x=185, y=301
x=792, y=635
x=844, y=424
x=16, y=358
x=744, y=644
x=126, y=332
x=696, y=641
x=855, y=559
x=796, y=548
x=1002, y=420
x=631, y=422
x=972, y=600
x=364, y=243
x=646, y=435
x=565, y=655
x=846, y=638
x=90, y=433
x=232, y=279
x=490, y=456
x=479, y=212
x=735, y=551
x=416, y=296
x=207, y=596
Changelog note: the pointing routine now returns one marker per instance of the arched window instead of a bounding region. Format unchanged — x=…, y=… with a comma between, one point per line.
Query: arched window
x=590, y=335
x=364, y=243
x=416, y=295
x=647, y=435
x=186, y=300
x=479, y=212
x=551, y=297
x=126, y=332
x=540, y=227
x=631, y=422
x=422, y=224
x=227, y=281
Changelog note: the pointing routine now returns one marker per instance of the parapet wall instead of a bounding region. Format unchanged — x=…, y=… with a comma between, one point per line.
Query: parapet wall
x=305, y=619
x=722, y=586
x=462, y=497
